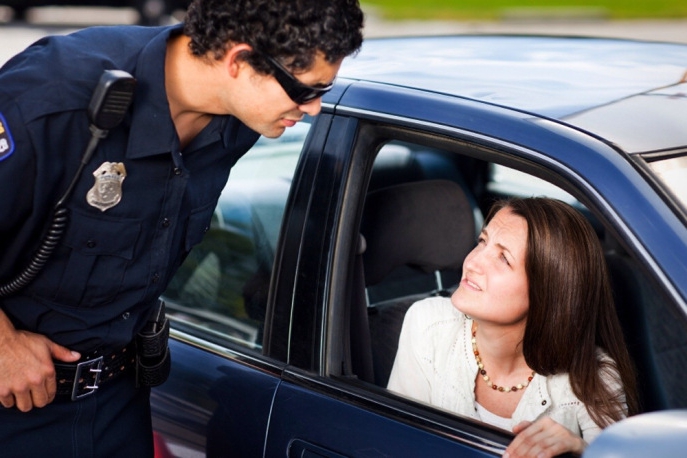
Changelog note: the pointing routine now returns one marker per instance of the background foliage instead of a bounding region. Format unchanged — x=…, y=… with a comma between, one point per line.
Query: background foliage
x=500, y=9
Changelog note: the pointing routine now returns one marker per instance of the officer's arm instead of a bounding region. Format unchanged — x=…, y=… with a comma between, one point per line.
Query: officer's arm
x=27, y=372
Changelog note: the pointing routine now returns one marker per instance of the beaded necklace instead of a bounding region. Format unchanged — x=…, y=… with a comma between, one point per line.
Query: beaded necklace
x=483, y=371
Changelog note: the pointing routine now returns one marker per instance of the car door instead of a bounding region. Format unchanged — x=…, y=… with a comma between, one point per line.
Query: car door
x=327, y=403
x=323, y=407
x=218, y=397
x=250, y=308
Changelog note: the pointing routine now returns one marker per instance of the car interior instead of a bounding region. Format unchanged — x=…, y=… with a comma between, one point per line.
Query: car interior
x=421, y=217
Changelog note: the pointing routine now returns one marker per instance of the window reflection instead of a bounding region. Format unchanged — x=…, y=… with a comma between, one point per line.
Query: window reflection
x=672, y=172
x=222, y=286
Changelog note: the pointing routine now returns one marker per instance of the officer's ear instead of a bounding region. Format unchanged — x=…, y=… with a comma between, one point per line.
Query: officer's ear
x=235, y=58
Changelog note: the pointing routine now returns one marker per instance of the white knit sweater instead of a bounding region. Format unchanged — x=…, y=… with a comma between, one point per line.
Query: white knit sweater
x=435, y=364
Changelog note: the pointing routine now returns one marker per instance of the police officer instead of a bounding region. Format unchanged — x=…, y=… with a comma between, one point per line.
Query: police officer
x=205, y=90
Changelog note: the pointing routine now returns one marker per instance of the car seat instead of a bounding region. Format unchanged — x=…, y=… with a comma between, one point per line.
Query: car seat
x=411, y=231
x=654, y=333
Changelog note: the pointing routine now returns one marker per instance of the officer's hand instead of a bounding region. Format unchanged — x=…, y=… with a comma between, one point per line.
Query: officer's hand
x=27, y=372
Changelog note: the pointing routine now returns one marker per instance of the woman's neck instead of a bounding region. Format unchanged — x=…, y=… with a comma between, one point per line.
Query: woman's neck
x=502, y=375
x=500, y=347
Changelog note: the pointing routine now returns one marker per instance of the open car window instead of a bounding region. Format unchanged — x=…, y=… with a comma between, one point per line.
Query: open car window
x=402, y=275
x=650, y=325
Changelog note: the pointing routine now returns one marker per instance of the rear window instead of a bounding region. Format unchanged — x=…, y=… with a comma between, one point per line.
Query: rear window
x=672, y=173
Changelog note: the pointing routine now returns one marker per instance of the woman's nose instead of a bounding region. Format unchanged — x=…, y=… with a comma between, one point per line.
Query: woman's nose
x=473, y=260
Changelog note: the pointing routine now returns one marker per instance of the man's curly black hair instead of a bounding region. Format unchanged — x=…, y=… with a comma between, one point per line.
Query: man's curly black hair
x=291, y=31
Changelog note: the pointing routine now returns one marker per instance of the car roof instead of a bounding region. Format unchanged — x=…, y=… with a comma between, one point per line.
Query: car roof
x=631, y=93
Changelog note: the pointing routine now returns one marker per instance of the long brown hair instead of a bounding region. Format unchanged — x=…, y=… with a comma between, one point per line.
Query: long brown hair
x=571, y=311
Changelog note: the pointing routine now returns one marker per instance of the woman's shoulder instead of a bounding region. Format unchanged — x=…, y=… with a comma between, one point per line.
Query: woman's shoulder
x=560, y=383
x=609, y=370
x=434, y=312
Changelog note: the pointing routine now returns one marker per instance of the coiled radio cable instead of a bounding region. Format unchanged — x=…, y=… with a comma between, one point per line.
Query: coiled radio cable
x=108, y=106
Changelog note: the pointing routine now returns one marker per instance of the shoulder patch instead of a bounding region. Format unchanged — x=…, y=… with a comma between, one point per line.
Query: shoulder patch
x=6, y=141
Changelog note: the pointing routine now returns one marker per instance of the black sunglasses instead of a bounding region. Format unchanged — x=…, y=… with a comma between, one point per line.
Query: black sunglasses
x=297, y=91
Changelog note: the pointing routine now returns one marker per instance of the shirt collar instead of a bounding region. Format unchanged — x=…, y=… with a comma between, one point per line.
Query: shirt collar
x=151, y=111
x=150, y=106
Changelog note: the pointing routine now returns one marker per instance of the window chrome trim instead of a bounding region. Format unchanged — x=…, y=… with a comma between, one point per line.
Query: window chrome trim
x=263, y=363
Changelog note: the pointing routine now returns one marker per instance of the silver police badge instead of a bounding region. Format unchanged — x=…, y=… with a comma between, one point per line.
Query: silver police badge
x=107, y=190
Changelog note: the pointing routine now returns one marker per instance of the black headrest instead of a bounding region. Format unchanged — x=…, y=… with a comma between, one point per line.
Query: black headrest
x=428, y=225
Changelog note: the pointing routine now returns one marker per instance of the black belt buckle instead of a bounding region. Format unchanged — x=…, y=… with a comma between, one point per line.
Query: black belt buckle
x=87, y=378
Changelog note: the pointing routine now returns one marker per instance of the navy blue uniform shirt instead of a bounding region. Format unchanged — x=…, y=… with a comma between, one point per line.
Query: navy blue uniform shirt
x=111, y=266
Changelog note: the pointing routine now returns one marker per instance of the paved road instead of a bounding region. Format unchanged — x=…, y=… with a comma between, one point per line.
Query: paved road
x=15, y=37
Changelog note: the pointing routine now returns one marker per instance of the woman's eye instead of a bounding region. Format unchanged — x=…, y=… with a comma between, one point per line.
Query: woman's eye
x=504, y=259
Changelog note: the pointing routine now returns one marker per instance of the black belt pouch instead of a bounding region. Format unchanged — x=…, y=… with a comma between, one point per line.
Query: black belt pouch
x=153, y=359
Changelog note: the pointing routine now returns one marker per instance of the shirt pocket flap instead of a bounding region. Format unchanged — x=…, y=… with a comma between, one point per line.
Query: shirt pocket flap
x=98, y=236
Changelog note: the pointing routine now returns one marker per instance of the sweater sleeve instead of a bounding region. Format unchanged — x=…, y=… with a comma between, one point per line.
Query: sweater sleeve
x=611, y=378
x=410, y=375
x=589, y=430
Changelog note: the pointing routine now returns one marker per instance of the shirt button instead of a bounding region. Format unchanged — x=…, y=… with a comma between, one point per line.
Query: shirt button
x=125, y=315
x=156, y=277
x=165, y=222
x=91, y=244
x=177, y=171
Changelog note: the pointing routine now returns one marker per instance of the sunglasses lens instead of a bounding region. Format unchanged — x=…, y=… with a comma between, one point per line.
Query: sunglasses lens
x=297, y=91
x=308, y=94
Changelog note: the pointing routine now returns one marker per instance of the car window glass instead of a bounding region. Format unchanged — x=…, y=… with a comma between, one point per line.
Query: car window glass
x=672, y=172
x=222, y=286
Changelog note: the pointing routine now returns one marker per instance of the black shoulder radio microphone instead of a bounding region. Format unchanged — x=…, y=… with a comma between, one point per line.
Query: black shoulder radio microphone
x=108, y=106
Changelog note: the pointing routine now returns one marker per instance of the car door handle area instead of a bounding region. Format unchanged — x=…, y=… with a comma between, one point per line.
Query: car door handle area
x=302, y=449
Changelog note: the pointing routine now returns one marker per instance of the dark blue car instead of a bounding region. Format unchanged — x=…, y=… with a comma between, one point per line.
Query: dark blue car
x=286, y=318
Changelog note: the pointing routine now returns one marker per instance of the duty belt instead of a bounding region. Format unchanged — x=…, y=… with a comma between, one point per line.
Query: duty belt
x=148, y=354
x=82, y=379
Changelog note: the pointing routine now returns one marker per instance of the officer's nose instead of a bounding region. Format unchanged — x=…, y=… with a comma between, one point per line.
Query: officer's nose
x=312, y=107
